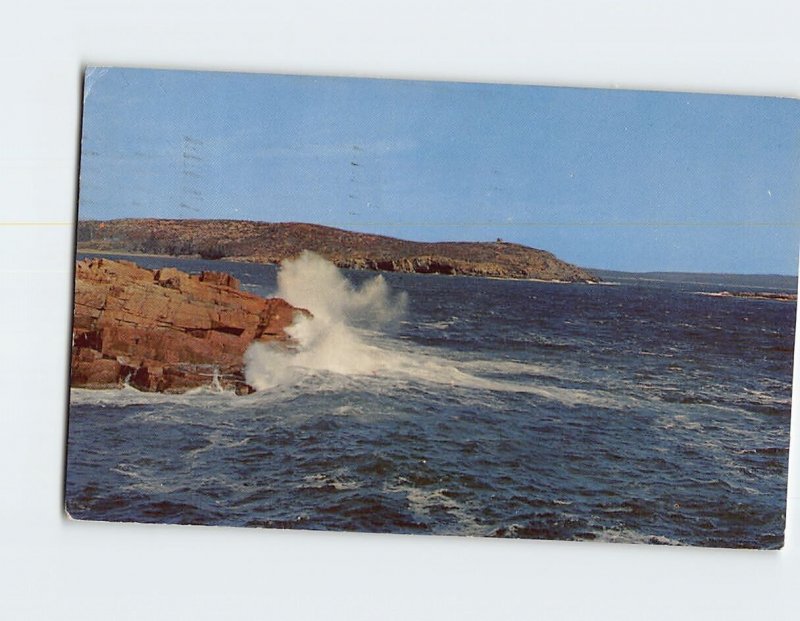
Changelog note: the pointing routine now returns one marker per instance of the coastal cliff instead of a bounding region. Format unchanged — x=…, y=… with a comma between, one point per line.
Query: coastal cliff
x=166, y=330
x=264, y=242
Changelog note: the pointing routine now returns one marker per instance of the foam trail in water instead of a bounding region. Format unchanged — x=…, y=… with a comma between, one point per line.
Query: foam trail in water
x=335, y=339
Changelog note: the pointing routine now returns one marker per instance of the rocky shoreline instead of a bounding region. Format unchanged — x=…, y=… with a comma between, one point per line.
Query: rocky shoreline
x=754, y=295
x=165, y=330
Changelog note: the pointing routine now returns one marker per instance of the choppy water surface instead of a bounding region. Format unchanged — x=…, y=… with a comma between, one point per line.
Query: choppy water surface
x=433, y=404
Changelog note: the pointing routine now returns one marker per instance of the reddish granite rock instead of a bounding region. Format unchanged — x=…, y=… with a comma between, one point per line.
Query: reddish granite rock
x=166, y=330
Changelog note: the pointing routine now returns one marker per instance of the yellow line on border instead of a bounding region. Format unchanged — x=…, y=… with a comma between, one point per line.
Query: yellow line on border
x=36, y=223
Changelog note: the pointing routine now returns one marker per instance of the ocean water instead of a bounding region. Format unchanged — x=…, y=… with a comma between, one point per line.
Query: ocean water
x=634, y=412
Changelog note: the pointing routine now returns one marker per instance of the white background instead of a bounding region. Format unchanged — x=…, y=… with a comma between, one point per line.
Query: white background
x=53, y=568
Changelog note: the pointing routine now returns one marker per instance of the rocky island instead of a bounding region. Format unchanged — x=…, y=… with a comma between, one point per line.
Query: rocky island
x=165, y=330
x=754, y=295
x=264, y=242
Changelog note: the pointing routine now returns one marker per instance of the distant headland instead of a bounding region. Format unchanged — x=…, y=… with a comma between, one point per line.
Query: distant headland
x=268, y=242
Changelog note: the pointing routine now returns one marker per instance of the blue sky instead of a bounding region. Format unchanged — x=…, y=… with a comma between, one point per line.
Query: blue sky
x=603, y=178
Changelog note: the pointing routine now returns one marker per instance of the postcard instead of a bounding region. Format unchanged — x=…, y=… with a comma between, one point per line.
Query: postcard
x=437, y=308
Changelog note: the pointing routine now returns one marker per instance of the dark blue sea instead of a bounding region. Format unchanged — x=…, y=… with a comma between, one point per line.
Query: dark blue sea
x=634, y=411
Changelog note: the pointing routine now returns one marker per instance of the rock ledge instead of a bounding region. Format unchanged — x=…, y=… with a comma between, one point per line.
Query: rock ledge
x=166, y=330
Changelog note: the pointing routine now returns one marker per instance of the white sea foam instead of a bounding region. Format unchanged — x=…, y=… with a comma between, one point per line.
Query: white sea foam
x=330, y=340
x=340, y=338
x=627, y=535
x=427, y=503
x=311, y=282
x=128, y=396
x=338, y=480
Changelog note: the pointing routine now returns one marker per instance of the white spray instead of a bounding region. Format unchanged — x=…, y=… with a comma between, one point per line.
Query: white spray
x=331, y=339
x=340, y=338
